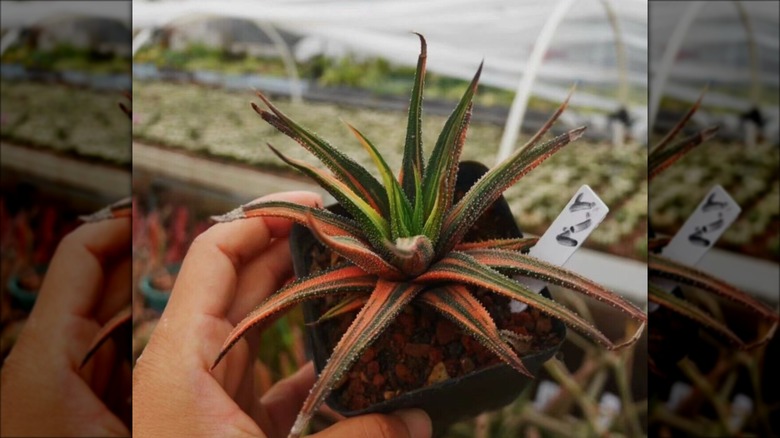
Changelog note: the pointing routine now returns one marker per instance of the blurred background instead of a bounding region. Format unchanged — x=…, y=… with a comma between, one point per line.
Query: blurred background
x=65, y=142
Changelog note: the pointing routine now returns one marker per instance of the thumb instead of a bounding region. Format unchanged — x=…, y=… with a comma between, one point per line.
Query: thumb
x=410, y=423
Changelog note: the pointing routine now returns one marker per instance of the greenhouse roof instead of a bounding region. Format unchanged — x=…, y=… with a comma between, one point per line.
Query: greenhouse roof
x=460, y=34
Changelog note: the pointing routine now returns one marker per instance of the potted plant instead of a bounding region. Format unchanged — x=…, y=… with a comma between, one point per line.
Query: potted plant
x=708, y=351
x=411, y=243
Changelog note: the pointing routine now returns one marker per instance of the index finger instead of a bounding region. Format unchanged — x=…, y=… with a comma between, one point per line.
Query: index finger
x=73, y=284
x=207, y=281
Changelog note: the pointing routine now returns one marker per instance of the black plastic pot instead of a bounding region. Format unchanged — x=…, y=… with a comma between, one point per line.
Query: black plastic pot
x=455, y=399
x=670, y=335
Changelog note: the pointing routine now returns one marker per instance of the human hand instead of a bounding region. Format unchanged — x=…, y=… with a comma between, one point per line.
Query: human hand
x=228, y=270
x=43, y=391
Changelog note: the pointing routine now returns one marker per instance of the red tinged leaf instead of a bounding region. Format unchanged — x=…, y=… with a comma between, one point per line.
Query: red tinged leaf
x=357, y=252
x=349, y=304
x=679, y=126
x=456, y=303
x=382, y=307
x=666, y=268
x=462, y=268
x=688, y=310
x=521, y=244
x=657, y=162
x=122, y=319
x=330, y=223
x=336, y=280
x=532, y=267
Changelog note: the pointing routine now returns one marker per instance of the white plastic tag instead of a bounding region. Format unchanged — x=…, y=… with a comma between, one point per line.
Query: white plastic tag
x=715, y=213
x=579, y=218
x=712, y=217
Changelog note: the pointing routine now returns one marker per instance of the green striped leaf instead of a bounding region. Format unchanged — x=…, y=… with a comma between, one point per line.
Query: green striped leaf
x=335, y=280
x=440, y=174
x=529, y=266
x=659, y=161
x=462, y=268
x=349, y=304
x=457, y=304
x=488, y=188
x=413, y=166
x=382, y=307
x=679, y=126
x=374, y=226
x=330, y=223
x=400, y=207
x=682, y=274
x=688, y=310
x=358, y=179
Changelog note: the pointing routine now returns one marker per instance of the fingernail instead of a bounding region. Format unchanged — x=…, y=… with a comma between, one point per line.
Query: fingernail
x=417, y=422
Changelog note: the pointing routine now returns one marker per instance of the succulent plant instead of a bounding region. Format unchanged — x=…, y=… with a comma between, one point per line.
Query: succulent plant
x=404, y=240
x=660, y=158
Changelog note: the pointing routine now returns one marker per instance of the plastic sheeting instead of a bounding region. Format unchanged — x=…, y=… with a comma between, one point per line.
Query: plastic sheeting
x=460, y=34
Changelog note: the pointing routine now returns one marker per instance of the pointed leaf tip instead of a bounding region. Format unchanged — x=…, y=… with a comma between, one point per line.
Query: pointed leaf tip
x=576, y=133
x=710, y=132
x=257, y=109
x=423, y=45
x=232, y=215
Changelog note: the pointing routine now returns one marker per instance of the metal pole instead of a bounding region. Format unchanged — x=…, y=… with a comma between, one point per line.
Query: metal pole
x=673, y=46
x=523, y=92
x=296, y=89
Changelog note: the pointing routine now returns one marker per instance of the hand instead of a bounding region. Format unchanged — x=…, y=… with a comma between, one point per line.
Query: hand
x=228, y=270
x=43, y=392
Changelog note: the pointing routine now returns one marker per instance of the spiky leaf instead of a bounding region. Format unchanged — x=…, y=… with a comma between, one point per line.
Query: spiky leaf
x=456, y=303
x=458, y=267
x=663, y=267
x=380, y=310
x=488, y=188
x=688, y=310
x=529, y=266
x=335, y=280
x=412, y=167
x=354, y=176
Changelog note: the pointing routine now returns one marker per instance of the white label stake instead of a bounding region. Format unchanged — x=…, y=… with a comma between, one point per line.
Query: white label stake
x=582, y=215
x=715, y=213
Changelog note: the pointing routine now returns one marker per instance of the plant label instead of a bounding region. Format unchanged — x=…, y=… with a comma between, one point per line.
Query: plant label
x=579, y=218
x=715, y=213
